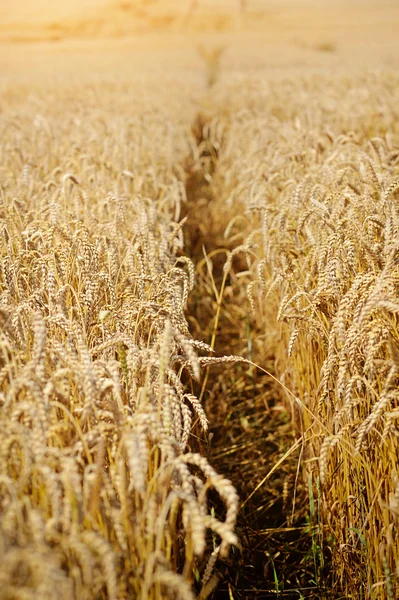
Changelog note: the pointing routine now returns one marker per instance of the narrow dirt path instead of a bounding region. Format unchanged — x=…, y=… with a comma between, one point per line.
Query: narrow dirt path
x=250, y=430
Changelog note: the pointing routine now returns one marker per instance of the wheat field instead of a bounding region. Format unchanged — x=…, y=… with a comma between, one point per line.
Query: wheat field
x=199, y=304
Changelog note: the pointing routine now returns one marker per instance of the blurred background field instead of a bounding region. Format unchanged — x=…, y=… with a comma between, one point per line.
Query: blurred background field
x=256, y=34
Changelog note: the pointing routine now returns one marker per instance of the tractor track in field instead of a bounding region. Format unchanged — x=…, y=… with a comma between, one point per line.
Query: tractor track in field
x=250, y=430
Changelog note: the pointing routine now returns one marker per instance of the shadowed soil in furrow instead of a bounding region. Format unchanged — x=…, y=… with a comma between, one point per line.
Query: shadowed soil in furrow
x=250, y=430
